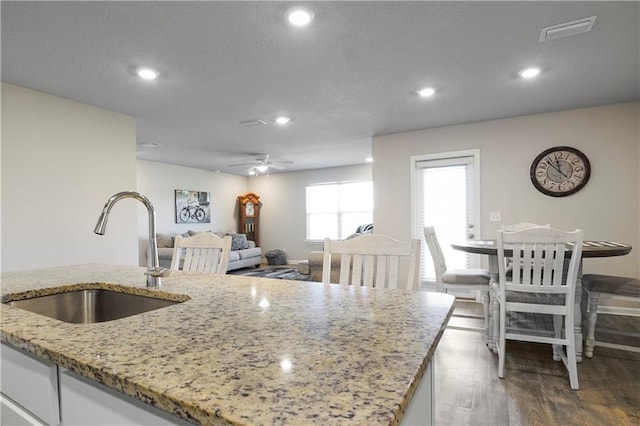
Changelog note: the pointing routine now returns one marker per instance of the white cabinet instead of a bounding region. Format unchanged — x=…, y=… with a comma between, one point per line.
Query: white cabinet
x=421, y=409
x=11, y=414
x=37, y=392
x=31, y=384
x=85, y=402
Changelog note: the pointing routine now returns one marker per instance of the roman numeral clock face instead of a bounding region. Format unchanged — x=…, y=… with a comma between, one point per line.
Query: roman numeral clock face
x=560, y=171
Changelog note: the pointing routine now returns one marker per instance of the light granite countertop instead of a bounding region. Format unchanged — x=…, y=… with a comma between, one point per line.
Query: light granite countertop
x=242, y=350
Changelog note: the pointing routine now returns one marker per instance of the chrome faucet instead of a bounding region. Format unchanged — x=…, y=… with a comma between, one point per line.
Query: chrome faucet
x=154, y=271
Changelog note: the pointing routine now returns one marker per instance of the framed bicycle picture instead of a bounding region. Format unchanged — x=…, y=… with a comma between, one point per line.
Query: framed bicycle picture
x=192, y=206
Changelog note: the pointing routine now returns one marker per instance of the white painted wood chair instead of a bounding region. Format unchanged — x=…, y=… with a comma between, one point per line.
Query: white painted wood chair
x=373, y=260
x=204, y=253
x=544, y=284
x=474, y=279
x=622, y=287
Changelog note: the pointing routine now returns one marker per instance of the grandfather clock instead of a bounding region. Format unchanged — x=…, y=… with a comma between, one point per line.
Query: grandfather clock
x=249, y=208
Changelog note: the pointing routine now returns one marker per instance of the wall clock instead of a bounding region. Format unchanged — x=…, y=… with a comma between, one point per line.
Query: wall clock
x=560, y=171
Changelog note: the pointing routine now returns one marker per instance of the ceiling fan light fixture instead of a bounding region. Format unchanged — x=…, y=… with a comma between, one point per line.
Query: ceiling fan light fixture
x=299, y=16
x=261, y=168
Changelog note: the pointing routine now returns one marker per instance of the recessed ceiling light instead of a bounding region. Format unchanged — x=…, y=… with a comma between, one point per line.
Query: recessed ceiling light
x=369, y=159
x=529, y=72
x=299, y=16
x=282, y=120
x=148, y=73
x=426, y=92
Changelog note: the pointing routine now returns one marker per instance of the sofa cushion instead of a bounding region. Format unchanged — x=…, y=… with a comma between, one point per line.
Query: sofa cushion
x=250, y=252
x=234, y=256
x=239, y=242
x=164, y=240
x=191, y=233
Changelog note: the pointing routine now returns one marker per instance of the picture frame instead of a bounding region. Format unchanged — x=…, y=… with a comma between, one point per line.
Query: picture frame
x=193, y=206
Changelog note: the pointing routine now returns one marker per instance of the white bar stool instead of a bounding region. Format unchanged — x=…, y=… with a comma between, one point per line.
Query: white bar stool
x=594, y=285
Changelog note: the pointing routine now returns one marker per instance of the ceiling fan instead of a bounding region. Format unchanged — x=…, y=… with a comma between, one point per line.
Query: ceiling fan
x=261, y=164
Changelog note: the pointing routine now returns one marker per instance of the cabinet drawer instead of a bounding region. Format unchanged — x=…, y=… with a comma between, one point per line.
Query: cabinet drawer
x=30, y=382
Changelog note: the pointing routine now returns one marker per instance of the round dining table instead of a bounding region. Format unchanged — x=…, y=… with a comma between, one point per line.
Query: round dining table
x=589, y=249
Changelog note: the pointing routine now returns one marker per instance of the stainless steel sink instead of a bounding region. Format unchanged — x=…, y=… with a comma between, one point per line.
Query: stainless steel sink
x=91, y=306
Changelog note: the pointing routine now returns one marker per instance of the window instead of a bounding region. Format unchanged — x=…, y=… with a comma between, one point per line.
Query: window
x=336, y=210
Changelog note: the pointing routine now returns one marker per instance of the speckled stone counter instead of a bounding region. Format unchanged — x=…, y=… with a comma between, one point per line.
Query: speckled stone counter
x=242, y=350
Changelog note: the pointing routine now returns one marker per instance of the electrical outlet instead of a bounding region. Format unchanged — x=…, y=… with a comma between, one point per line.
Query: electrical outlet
x=494, y=217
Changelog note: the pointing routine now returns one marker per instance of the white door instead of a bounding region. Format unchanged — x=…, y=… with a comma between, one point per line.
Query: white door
x=446, y=196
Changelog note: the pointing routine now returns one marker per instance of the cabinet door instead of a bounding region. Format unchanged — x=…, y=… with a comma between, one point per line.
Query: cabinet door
x=14, y=415
x=31, y=383
x=85, y=402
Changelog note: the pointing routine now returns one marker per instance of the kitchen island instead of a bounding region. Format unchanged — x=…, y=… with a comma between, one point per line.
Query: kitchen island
x=242, y=350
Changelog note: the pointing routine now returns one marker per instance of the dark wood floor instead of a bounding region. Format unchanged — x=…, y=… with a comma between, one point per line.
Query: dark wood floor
x=535, y=390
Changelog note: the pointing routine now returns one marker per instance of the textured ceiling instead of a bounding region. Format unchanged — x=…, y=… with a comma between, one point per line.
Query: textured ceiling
x=352, y=74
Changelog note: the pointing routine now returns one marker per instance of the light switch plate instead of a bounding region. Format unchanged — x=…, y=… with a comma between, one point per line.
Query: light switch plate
x=494, y=217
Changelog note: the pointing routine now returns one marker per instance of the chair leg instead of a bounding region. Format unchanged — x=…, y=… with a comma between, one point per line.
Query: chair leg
x=590, y=343
x=485, y=309
x=557, y=329
x=502, y=342
x=494, y=322
x=571, y=364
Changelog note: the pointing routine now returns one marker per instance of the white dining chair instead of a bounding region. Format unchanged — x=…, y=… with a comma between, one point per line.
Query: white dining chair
x=373, y=260
x=204, y=253
x=474, y=279
x=545, y=284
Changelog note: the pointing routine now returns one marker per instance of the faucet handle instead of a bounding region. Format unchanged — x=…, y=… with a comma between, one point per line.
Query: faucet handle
x=158, y=272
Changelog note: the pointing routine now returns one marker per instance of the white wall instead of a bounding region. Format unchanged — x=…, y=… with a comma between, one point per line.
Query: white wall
x=61, y=160
x=283, y=210
x=159, y=181
x=606, y=209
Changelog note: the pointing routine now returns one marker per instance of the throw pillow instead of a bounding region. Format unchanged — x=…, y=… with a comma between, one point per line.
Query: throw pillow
x=239, y=242
x=164, y=240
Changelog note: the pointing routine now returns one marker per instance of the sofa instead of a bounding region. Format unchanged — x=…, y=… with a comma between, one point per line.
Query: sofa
x=244, y=253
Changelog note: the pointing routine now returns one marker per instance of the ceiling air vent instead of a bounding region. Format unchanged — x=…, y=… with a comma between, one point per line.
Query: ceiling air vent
x=567, y=29
x=254, y=122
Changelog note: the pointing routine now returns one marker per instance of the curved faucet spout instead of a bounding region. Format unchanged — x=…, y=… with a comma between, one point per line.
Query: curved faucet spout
x=154, y=272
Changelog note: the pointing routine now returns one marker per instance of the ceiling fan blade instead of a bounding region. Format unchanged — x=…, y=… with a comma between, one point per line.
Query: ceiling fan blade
x=276, y=166
x=242, y=164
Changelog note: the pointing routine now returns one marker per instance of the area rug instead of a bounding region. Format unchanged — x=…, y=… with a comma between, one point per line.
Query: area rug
x=277, y=273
